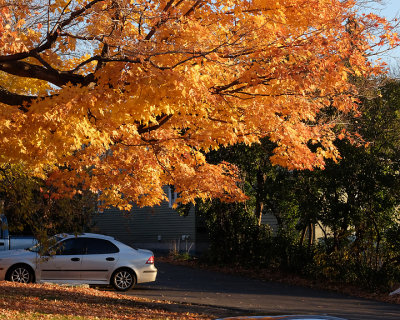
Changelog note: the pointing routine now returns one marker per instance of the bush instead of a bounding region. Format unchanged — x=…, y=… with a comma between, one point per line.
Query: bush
x=236, y=239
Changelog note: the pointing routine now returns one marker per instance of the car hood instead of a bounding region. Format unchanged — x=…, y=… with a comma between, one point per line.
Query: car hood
x=16, y=253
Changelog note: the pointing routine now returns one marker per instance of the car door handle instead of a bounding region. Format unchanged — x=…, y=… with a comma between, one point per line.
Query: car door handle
x=110, y=259
x=75, y=259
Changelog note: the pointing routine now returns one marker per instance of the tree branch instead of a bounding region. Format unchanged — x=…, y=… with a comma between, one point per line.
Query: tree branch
x=162, y=21
x=198, y=3
x=51, y=37
x=161, y=120
x=14, y=99
x=58, y=78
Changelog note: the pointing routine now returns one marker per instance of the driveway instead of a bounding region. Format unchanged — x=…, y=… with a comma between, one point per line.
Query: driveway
x=240, y=295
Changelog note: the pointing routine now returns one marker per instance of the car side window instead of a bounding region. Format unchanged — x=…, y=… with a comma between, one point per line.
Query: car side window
x=70, y=246
x=100, y=246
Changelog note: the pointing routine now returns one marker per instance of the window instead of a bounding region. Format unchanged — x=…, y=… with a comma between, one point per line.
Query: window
x=72, y=246
x=3, y=225
x=100, y=203
x=100, y=246
x=172, y=195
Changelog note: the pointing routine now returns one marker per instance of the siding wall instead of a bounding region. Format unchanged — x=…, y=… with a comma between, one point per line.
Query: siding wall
x=269, y=218
x=157, y=228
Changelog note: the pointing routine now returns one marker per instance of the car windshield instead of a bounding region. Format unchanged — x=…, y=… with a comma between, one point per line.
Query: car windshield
x=42, y=247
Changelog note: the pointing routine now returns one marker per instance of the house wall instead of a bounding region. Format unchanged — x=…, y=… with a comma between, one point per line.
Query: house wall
x=158, y=228
x=269, y=219
x=319, y=233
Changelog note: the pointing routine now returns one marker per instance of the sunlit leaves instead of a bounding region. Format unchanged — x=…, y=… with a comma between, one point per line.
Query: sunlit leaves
x=132, y=93
x=45, y=301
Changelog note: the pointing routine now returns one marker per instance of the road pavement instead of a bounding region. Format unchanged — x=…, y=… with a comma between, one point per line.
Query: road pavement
x=241, y=295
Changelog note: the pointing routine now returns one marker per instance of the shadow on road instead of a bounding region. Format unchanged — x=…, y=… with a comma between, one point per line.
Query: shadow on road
x=243, y=295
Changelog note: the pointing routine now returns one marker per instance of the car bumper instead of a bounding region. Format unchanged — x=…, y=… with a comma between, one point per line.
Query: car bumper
x=147, y=275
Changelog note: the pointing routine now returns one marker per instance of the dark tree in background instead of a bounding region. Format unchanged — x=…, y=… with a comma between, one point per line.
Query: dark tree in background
x=353, y=201
x=31, y=207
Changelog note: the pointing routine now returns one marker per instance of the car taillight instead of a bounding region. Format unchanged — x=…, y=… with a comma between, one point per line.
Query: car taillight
x=150, y=260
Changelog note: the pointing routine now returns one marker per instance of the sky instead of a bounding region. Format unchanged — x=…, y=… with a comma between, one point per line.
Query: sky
x=390, y=9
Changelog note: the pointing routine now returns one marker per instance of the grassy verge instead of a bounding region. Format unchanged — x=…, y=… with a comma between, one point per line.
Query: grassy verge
x=42, y=301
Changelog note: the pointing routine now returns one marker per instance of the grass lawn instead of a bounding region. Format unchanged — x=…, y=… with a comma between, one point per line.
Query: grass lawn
x=45, y=301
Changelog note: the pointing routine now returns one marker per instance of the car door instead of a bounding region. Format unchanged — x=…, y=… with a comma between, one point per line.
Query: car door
x=65, y=264
x=99, y=259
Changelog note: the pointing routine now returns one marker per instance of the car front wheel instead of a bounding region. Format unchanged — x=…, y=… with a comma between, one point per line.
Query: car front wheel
x=123, y=279
x=21, y=274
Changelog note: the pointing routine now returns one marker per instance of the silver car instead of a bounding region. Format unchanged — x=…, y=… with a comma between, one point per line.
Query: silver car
x=87, y=258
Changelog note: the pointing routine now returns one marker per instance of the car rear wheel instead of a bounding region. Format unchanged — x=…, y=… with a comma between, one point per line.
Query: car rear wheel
x=123, y=279
x=21, y=274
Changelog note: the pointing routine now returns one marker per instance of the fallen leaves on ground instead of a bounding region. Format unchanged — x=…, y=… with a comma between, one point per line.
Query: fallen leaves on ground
x=45, y=301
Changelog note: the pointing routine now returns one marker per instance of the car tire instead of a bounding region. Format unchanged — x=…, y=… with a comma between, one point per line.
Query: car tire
x=123, y=279
x=20, y=273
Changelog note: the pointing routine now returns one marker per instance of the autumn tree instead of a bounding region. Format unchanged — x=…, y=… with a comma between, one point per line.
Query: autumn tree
x=30, y=208
x=125, y=96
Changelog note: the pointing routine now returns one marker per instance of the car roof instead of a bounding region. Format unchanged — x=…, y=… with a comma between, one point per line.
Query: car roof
x=87, y=235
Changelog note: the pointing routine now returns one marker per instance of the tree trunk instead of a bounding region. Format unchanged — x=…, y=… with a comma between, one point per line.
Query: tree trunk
x=259, y=196
x=303, y=236
x=311, y=234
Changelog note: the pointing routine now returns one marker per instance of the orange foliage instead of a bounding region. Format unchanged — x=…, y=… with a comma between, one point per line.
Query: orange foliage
x=126, y=96
x=45, y=301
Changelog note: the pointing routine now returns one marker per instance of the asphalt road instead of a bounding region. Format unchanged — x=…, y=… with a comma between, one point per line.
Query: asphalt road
x=241, y=295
